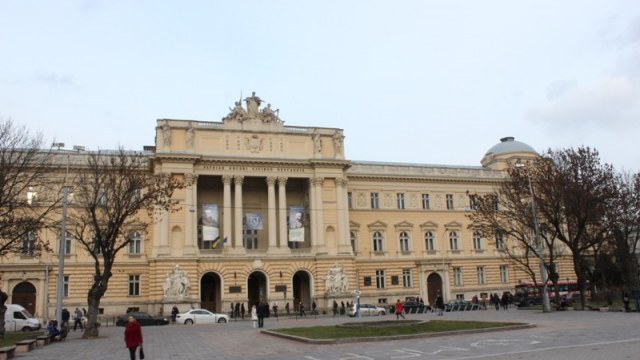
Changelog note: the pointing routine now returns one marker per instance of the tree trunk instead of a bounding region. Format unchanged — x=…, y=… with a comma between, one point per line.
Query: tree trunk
x=92, y=329
x=3, y=310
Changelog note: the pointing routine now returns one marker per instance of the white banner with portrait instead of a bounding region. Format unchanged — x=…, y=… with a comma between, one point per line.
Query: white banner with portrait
x=209, y=222
x=296, y=224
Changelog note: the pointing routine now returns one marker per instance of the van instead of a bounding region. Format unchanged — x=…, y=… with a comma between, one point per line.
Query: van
x=17, y=318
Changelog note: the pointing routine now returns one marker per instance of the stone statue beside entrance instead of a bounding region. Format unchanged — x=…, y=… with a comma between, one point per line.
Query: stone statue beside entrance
x=336, y=282
x=176, y=284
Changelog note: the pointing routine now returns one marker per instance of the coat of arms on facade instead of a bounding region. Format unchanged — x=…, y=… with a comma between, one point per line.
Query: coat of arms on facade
x=336, y=281
x=253, y=111
x=176, y=284
x=254, y=143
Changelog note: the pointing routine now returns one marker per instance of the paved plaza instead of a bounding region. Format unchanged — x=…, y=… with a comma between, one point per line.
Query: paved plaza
x=583, y=335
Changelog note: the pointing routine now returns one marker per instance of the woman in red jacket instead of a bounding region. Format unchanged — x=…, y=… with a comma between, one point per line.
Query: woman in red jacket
x=133, y=336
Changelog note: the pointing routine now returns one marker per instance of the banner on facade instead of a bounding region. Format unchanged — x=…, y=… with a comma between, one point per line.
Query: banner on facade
x=209, y=222
x=253, y=221
x=296, y=224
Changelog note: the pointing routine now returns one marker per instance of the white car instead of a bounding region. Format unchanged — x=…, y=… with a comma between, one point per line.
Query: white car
x=201, y=316
x=366, y=310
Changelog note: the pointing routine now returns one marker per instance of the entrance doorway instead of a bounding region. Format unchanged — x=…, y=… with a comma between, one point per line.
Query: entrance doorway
x=434, y=287
x=302, y=290
x=25, y=294
x=210, y=290
x=256, y=288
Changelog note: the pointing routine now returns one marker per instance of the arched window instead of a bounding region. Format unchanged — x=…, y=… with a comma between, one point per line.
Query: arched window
x=500, y=245
x=135, y=241
x=429, y=241
x=477, y=240
x=453, y=240
x=377, y=241
x=404, y=241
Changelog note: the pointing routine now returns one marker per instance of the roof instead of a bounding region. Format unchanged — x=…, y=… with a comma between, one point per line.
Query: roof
x=509, y=145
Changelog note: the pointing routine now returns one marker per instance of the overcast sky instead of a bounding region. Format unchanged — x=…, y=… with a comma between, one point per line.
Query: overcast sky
x=436, y=82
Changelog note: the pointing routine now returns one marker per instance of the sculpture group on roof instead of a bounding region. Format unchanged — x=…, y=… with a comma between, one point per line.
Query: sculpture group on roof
x=253, y=111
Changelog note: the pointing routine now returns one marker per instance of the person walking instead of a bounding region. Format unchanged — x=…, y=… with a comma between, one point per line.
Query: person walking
x=335, y=308
x=133, y=337
x=399, y=310
x=77, y=317
x=242, y=310
x=286, y=309
x=65, y=318
x=301, y=308
x=314, y=310
x=254, y=316
x=174, y=314
x=261, y=310
x=440, y=305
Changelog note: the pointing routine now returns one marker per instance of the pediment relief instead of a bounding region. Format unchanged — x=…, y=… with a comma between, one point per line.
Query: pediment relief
x=403, y=225
x=429, y=225
x=377, y=225
x=453, y=225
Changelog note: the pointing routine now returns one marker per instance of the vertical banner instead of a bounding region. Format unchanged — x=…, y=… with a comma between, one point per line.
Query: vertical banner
x=253, y=221
x=209, y=222
x=296, y=224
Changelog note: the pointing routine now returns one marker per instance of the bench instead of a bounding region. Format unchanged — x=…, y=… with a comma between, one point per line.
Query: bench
x=7, y=352
x=43, y=340
x=24, y=346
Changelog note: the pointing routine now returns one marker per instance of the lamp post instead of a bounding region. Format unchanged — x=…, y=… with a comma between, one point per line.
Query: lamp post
x=546, y=306
x=61, y=248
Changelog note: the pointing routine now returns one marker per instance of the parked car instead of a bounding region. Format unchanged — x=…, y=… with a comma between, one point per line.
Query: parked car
x=413, y=307
x=201, y=316
x=143, y=318
x=17, y=318
x=461, y=305
x=366, y=310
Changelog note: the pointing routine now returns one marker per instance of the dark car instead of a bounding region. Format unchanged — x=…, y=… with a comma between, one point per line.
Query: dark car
x=413, y=307
x=143, y=318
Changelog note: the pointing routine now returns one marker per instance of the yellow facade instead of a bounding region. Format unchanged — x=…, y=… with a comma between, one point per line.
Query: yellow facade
x=389, y=230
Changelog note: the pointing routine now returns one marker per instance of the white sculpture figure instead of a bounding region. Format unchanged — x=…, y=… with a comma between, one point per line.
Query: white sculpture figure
x=176, y=284
x=336, y=280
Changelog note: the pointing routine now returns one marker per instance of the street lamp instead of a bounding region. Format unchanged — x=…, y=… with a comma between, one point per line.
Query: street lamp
x=546, y=306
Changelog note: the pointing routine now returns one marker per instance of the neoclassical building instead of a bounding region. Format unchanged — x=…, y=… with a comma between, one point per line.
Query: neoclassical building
x=276, y=212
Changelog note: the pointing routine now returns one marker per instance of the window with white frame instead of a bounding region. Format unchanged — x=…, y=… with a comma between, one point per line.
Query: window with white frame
x=454, y=240
x=500, y=245
x=380, y=279
x=134, y=285
x=480, y=273
x=67, y=243
x=429, y=241
x=374, y=200
x=404, y=241
x=400, y=200
x=102, y=197
x=350, y=200
x=425, y=202
x=353, y=237
x=32, y=196
x=473, y=203
x=449, y=202
x=65, y=286
x=457, y=276
x=29, y=242
x=406, y=278
x=504, y=274
x=477, y=240
x=250, y=239
x=135, y=242
x=377, y=241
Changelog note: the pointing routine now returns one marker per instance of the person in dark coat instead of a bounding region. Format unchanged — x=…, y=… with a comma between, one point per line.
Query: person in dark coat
x=132, y=336
x=440, y=305
x=174, y=314
x=261, y=310
x=65, y=317
x=505, y=301
x=242, y=311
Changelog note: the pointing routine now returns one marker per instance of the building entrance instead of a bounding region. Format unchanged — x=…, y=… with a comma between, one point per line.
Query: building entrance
x=257, y=288
x=210, y=290
x=25, y=294
x=302, y=291
x=434, y=287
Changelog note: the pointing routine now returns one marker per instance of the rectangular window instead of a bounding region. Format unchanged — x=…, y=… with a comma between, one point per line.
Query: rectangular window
x=380, y=279
x=473, y=204
x=28, y=243
x=65, y=286
x=134, y=285
x=425, y=202
x=250, y=239
x=404, y=241
x=377, y=241
x=353, y=238
x=406, y=278
x=102, y=197
x=350, y=200
x=374, y=201
x=453, y=241
x=500, y=245
x=134, y=242
x=400, y=200
x=457, y=276
x=32, y=196
x=480, y=272
x=504, y=274
x=67, y=244
x=477, y=241
x=449, y=202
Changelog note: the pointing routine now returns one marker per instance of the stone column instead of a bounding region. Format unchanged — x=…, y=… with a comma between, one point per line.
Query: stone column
x=320, y=241
x=271, y=212
x=282, y=213
x=313, y=213
x=344, y=242
x=237, y=228
x=190, y=214
x=161, y=228
x=226, y=210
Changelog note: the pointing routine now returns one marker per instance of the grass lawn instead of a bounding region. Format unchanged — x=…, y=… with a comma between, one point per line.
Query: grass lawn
x=11, y=338
x=433, y=326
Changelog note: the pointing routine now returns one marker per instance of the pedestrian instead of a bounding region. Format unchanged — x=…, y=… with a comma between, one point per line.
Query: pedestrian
x=232, y=310
x=133, y=338
x=242, y=310
x=275, y=309
x=625, y=301
x=399, y=310
x=335, y=308
x=261, y=313
x=77, y=317
x=342, y=308
x=286, y=309
x=496, y=301
x=505, y=301
x=174, y=314
x=254, y=316
x=314, y=310
x=301, y=309
x=440, y=305
x=237, y=314
x=84, y=312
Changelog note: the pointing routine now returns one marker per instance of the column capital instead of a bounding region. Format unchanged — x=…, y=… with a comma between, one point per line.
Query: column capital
x=319, y=180
x=227, y=179
x=238, y=180
x=282, y=180
x=271, y=180
x=190, y=179
x=342, y=182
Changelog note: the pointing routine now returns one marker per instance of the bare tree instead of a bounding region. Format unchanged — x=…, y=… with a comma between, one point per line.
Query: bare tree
x=115, y=193
x=23, y=169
